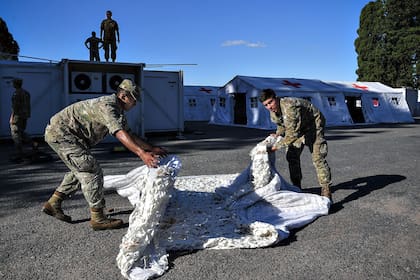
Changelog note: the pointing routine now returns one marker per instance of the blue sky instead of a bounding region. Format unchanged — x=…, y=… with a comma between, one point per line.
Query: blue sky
x=224, y=38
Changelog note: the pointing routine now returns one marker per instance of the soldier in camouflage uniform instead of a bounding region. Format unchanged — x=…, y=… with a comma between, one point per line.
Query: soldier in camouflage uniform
x=110, y=35
x=299, y=123
x=74, y=130
x=21, y=112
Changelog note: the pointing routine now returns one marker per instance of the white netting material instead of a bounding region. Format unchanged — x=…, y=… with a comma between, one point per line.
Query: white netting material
x=253, y=209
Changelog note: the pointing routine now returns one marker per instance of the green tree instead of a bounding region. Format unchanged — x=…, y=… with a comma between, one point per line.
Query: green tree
x=9, y=48
x=388, y=45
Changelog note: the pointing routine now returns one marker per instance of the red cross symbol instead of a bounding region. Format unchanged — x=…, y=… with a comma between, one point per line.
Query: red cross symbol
x=206, y=90
x=360, y=87
x=288, y=83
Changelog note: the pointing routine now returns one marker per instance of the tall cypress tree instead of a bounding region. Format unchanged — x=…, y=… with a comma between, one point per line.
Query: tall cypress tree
x=9, y=48
x=388, y=45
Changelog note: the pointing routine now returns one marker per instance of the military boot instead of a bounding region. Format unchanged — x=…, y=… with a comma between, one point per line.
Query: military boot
x=53, y=207
x=99, y=221
x=325, y=191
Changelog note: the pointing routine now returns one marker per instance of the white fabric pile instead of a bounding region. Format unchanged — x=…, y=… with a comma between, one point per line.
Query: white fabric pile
x=256, y=208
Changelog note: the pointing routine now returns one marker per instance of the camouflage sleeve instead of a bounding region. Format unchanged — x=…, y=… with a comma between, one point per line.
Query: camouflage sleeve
x=114, y=119
x=292, y=123
x=15, y=103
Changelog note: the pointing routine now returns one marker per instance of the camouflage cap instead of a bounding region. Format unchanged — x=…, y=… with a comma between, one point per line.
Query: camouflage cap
x=129, y=86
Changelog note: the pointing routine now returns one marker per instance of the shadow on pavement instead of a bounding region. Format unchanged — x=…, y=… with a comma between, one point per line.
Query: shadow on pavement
x=363, y=187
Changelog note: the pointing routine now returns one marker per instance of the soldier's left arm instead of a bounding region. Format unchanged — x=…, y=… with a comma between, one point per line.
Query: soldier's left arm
x=292, y=123
x=117, y=29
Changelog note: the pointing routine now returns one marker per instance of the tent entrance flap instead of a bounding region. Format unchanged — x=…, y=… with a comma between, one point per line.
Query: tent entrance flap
x=239, y=108
x=354, y=105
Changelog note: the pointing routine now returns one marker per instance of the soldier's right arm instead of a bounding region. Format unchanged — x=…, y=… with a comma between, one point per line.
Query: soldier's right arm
x=102, y=30
x=129, y=142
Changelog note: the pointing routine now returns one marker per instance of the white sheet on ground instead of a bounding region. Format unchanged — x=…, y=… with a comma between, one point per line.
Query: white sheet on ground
x=256, y=208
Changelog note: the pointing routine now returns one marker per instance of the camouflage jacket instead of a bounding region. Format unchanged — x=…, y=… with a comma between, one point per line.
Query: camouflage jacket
x=109, y=27
x=21, y=104
x=88, y=121
x=296, y=118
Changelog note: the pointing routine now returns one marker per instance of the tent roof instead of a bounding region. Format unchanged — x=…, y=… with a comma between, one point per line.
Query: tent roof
x=363, y=87
x=311, y=85
x=200, y=90
x=285, y=84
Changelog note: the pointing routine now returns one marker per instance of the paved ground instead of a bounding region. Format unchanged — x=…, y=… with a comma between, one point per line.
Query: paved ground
x=373, y=231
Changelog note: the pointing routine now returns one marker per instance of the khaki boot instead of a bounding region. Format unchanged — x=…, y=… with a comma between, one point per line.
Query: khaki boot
x=325, y=191
x=53, y=207
x=99, y=221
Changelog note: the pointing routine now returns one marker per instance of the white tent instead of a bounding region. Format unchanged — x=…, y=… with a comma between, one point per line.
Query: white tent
x=198, y=102
x=378, y=102
x=340, y=102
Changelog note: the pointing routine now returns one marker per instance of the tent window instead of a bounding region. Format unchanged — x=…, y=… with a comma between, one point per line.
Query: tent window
x=212, y=101
x=375, y=102
x=358, y=103
x=192, y=102
x=331, y=101
x=394, y=100
x=254, y=102
x=222, y=102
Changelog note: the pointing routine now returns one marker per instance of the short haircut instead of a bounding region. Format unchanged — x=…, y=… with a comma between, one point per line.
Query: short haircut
x=267, y=93
x=17, y=82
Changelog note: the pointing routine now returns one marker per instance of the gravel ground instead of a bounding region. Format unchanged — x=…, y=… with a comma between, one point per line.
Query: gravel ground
x=372, y=231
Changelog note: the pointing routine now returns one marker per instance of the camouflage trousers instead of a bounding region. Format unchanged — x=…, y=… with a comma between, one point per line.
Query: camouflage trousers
x=110, y=44
x=85, y=172
x=17, y=131
x=319, y=149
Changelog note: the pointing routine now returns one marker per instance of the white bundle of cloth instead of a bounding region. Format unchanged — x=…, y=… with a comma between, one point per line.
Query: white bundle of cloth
x=254, y=209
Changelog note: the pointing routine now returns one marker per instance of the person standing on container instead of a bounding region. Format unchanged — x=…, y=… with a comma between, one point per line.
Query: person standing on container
x=110, y=35
x=94, y=43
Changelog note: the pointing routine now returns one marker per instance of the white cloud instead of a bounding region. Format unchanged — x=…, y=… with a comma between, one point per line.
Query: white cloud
x=231, y=43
